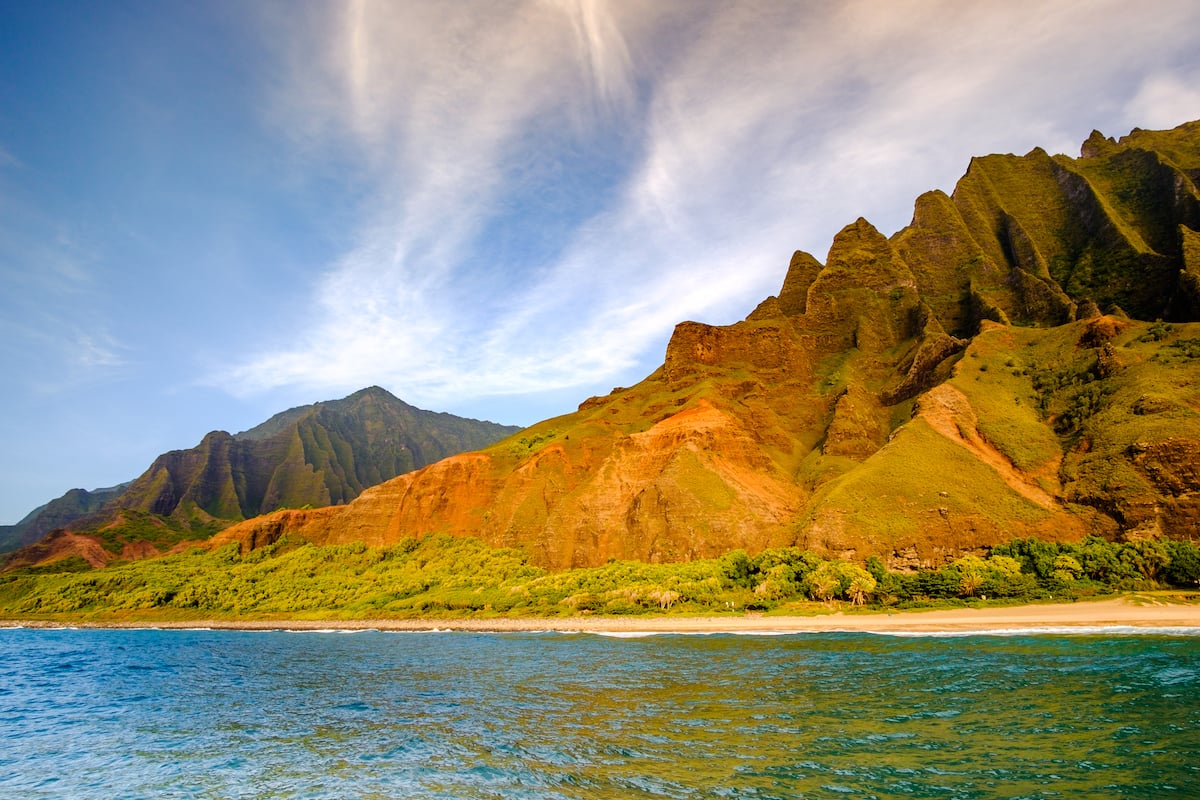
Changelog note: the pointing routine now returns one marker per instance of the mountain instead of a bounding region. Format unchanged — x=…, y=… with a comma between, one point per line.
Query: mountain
x=1022, y=359
x=316, y=455
x=323, y=454
x=58, y=513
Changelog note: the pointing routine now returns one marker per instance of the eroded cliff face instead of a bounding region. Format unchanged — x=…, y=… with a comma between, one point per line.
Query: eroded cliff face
x=982, y=374
x=812, y=429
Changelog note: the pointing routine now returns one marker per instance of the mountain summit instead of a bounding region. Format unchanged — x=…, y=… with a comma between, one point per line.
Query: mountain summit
x=1020, y=360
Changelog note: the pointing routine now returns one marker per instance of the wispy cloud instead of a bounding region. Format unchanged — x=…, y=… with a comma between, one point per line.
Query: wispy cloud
x=54, y=353
x=1165, y=100
x=693, y=145
x=445, y=105
x=96, y=349
x=7, y=159
x=52, y=317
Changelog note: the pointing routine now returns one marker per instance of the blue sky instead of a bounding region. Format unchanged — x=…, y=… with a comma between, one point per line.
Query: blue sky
x=213, y=211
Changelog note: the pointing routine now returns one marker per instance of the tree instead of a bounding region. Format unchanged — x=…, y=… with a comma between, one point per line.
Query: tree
x=1101, y=560
x=664, y=597
x=1147, y=556
x=970, y=582
x=770, y=589
x=973, y=570
x=945, y=582
x=1003, y=566
x=778, y=582
x=877, y=568
x=1066, y=569
x=861, y=585
x=823, y=583
x=1184, y=569
x=1036, y=556
x=736, y=566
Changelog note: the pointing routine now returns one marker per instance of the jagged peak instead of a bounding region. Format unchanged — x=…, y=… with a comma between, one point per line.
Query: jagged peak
x=1097, y=145
x=215, y=436
x=802, y=271
x=371, y=394
x=930, y=205
x=858, y=243
x=767, y=309
x=372, y=391
x=861, y=251
x=861, y=228
x=985, y=167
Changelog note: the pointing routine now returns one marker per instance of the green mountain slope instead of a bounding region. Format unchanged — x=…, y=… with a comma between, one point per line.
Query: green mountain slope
x=317, y=455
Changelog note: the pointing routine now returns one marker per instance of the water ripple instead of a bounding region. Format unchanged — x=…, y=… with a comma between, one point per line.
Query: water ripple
x=226, y=714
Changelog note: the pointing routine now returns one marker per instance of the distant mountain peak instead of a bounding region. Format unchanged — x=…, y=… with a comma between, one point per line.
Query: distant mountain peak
x=319, y=454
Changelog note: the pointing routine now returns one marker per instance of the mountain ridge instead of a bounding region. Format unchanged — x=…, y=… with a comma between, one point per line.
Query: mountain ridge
x=56, y=513
x=977, y=376
x=319, y=454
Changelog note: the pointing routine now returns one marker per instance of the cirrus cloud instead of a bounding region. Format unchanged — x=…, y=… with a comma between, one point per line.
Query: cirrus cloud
x=550, y=186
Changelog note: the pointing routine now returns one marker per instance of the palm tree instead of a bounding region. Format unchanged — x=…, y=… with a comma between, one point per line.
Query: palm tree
x=970, y=583
x=824, y=585
x=860, y=587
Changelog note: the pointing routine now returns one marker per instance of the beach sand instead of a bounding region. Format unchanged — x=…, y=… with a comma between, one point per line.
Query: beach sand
x=1080, y=616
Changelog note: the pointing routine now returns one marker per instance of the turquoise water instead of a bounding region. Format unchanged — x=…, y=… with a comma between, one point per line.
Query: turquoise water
x=228, y=714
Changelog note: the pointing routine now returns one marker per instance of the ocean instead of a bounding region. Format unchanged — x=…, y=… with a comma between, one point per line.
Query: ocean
x=274, y=714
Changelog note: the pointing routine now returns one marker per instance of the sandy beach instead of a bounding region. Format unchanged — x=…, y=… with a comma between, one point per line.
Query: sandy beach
x=1113, y=613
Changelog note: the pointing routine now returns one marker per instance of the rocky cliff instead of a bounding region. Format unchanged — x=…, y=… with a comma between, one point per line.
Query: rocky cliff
x=1020, y=360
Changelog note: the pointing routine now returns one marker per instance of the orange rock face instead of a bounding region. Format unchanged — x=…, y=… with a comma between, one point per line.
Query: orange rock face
x=59, y=545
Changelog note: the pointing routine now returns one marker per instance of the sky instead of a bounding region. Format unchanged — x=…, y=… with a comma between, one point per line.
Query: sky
x=214, y=211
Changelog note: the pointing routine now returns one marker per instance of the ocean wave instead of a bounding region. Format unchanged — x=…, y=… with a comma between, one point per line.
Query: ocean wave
x=1033, y=630
x=1048, y=630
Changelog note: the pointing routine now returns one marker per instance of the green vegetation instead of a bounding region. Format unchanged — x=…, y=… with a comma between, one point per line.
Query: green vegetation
x=440, y=576
x=57, y=513
x=1010, y=416
x=533, y=441
x=921, y=470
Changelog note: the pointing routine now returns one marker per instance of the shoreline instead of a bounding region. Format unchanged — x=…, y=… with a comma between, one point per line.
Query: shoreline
x=1111, y=613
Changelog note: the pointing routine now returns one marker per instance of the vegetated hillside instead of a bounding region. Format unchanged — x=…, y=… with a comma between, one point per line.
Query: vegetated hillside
x=57, y=513
x=994, y=370
x=317, y=455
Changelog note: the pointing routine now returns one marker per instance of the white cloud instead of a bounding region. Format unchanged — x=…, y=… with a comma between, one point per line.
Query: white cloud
x=96, y=349
x=601, y=50
x=1165, y=100
x=752, y=128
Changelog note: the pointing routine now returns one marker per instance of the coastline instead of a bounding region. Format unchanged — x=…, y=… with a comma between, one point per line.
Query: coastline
x=1106, y=614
